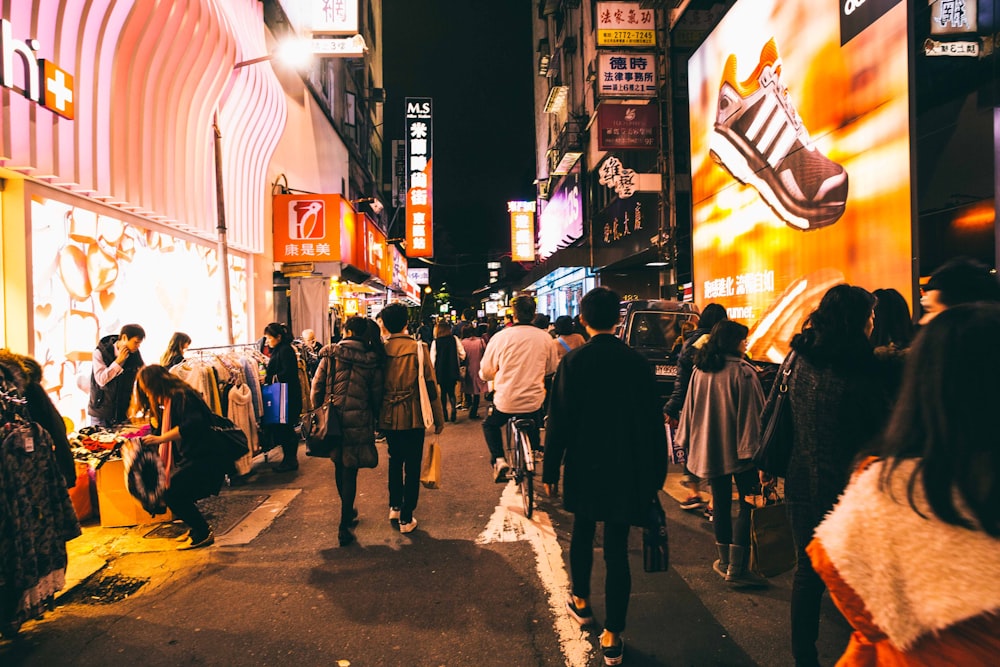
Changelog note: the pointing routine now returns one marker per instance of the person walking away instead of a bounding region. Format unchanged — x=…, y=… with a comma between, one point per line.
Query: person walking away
x=355, y=365
x=447, y=355
x=957, y=281
x=838, y=400
x=605, y=429
x=174, y=354
x=182, y=418
x=283, y=366
x=517, y=359
x=720, y=430
x=401, y=418
x=566, y=338
x=931, y=492
x=114, y=366
x=710, y=316
x=891, y=335
x=472, y=385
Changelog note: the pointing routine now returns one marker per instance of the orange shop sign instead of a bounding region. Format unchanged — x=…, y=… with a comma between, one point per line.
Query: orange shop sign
x=307, y=228
x=522, y=230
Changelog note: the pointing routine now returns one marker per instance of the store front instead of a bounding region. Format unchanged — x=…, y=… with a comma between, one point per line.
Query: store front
x=559, y=292
x=109, y=198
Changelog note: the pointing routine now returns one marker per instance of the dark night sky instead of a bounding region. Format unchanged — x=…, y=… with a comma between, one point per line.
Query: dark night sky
x=476, y=61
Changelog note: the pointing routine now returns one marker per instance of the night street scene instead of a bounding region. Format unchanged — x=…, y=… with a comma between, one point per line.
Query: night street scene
x=529, y=333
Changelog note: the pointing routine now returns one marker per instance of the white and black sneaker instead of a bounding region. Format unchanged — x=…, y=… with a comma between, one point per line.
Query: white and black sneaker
x=760, y=139
x=500, y=470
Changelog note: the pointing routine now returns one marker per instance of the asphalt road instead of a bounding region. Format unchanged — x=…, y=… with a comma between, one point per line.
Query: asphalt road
x=450, y=593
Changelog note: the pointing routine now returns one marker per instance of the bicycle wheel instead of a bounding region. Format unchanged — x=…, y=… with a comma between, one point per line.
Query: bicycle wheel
x=525, y=477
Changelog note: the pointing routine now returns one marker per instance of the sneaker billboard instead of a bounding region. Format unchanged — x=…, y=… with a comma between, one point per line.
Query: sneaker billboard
x=800, y=162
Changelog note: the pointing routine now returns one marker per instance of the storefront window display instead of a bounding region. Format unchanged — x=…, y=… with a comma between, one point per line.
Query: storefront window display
x=92, y=273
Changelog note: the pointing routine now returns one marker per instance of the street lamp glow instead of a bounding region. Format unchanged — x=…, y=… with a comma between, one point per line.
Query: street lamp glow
x=294, y=52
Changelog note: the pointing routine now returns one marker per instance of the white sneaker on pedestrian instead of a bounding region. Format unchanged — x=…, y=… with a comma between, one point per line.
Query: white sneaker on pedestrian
x=500, y=470
x=408, y=527
x=393, y=514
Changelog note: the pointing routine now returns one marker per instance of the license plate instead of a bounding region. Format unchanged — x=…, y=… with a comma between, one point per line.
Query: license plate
x=664, y=369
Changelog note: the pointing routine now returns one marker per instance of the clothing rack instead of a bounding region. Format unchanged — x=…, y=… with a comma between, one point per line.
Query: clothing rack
x=237, y=346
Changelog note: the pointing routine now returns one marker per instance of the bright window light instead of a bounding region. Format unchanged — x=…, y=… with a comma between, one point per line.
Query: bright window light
x=294, y=52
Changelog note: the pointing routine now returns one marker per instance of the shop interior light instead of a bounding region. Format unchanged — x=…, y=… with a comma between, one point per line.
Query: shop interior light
x=292, y=52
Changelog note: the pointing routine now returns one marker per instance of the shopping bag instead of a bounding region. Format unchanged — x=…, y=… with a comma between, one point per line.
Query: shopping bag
x=655, y=540
x=275, y=398
x=678, y=456
x=430, y=470
x=772, y=549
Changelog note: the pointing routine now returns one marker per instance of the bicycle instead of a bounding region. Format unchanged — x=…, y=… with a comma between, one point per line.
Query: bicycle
x=521, y=459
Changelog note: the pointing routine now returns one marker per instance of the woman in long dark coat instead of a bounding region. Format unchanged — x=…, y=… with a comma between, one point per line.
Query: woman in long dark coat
x=838, y=400
x=283, y=366
x=447, y=355
x=351, y=371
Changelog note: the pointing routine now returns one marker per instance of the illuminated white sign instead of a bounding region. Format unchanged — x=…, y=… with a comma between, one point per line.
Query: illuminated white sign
x=626, y=75
x=43, y=82
x=339, y=47
x=334, y=17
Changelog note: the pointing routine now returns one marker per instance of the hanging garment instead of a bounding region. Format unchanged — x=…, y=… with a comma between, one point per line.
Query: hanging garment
x=36, y=521
x=241, y=414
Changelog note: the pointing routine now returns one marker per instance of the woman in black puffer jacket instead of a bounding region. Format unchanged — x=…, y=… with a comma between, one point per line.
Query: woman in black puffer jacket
x=352, y=372
x=283, y=366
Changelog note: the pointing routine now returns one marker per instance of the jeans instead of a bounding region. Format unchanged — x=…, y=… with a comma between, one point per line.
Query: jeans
x=722, y=493
x=807, y=586
x=406, y=452
x=347, y=488
x=618, y=582
x=494, y=423
x=180, y=496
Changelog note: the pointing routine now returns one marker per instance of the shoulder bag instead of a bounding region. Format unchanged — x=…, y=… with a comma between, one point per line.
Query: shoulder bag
x=426, y=410
x=776, y=441
x=321, y=426
x=655, y=540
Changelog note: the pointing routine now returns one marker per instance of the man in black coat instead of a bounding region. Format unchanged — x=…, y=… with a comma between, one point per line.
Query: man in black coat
x=605, y=419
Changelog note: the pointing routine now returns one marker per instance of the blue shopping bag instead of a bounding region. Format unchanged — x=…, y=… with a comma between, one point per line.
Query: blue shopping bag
x=275, y=403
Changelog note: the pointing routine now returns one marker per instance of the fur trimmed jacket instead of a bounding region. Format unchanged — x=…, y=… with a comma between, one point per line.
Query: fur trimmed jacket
x=917, y=591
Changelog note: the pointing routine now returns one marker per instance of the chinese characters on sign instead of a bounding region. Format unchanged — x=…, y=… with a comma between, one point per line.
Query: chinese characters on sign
x=419, y=198
x=625, y=24
x=522, y=230
x=306, y=228
x=627, y=127
x=954, y=16
x=335, y=17
x=615, y=176
x=627, y=75
x=620, y=228
x=932, y=47
x=756, y=282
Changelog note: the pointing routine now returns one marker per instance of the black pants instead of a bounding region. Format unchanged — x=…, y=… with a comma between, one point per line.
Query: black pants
x=618, y=582
x=472, y=400
x=448, y=396
x=347, y=488
x=186, y=486
x=807, y=586
x=406, y=452
x=285, y=436
x=493, y=425
x=722, y=493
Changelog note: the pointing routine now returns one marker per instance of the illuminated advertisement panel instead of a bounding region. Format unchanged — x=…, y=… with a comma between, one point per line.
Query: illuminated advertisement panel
x=522, y=230
x=306, y=228
x=800, y=163
x=419, y=188
x=625, y=24
x=561, y=220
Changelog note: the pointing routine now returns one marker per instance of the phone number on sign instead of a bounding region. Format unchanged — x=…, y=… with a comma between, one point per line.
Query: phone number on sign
x=625, y=37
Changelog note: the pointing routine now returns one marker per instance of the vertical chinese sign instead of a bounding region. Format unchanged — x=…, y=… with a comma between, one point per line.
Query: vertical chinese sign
x=522, y=230
x=419, y=197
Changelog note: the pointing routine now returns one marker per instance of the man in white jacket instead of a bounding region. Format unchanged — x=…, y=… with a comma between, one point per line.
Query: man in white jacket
x=517, y=359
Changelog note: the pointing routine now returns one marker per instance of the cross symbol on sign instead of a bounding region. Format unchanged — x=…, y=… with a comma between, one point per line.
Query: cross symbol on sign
x=58, y=90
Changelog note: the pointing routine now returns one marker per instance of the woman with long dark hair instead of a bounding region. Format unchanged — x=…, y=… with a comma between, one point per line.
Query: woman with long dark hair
x=447, y=355
x=911, y=550
x=353, y=371
x=720, y=428
x=283, y=366
x=182, y=418
x=838, y=400
x=174, y=353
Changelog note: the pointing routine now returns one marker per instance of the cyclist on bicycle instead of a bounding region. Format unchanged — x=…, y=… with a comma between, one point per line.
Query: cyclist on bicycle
x=517, y=359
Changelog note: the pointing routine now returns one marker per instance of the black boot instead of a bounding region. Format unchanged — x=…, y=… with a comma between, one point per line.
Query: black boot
x=345, y=536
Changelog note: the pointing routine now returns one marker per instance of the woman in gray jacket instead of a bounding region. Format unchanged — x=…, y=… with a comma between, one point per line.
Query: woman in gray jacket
x=720, y=427
x=351, y=371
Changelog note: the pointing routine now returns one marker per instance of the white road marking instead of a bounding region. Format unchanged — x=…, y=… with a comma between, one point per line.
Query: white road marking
x=508, y=524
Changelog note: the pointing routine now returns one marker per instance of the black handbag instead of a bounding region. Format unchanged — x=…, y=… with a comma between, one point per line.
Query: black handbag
x=776, y=441
x=655, y=540
x=228, y=441
x=321, y=427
